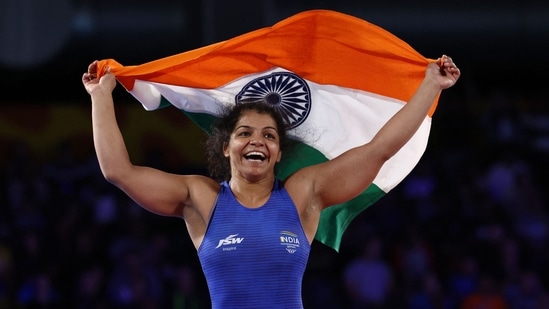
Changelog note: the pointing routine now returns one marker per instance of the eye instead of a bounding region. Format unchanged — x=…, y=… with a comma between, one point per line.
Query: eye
x=243, y=133
x=270, y=136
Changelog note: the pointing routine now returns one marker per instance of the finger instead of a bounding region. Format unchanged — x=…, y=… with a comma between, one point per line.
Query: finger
x=86, y=77
x=456, y=72
x=107, y=70
x=442, y=63
x=92, y=68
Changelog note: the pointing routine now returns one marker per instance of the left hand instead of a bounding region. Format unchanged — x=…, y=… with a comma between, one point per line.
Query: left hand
x=444, y=72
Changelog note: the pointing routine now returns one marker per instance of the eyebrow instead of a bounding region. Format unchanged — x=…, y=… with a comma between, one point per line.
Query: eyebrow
x=249, y=127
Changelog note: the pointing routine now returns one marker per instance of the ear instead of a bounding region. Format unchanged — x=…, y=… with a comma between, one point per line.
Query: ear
x=226, y=150
x=279, y=157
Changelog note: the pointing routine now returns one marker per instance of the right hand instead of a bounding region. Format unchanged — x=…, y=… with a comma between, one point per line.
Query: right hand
x=94, y=83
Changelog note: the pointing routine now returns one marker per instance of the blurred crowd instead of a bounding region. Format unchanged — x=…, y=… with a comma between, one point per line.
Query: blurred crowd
x=468, y=228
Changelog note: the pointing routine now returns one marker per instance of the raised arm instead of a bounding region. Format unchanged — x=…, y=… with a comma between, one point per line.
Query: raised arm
x=157, y=191
x=346, y=176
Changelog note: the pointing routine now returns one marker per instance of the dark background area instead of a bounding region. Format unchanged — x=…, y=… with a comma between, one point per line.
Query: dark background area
x=47, y=45
x=470, y=223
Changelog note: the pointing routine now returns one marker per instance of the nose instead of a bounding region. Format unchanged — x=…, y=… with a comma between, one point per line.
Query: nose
x=257, y=140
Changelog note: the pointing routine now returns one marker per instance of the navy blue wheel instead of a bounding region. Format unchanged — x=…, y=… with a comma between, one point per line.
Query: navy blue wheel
x=287, y=92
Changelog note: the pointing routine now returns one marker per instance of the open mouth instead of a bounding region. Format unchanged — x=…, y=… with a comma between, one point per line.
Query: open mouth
x=255, y=156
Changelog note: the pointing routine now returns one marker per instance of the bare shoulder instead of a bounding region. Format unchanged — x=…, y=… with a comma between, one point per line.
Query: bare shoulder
x=202, y=189
x=201, y=195
x=300, y=187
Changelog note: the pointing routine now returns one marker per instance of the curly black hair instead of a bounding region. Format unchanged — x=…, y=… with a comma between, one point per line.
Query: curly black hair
x=218, y=165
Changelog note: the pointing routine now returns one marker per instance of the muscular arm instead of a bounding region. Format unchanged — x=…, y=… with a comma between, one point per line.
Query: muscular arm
x=157, y=191
x=346, y=176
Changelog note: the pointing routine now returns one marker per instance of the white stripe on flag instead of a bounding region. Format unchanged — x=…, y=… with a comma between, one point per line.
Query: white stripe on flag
x=340, y=118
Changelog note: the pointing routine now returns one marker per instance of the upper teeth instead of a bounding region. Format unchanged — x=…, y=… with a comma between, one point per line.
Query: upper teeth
x=255, y=153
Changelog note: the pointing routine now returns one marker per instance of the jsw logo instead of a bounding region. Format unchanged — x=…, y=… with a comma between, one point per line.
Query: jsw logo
x=230, y=240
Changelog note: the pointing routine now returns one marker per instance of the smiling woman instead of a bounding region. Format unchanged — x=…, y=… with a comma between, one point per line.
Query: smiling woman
x=253, y=148
x=246, y=224
x=219, y=165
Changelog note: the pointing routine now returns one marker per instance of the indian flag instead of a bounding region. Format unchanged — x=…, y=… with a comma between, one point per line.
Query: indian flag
x=335, y=78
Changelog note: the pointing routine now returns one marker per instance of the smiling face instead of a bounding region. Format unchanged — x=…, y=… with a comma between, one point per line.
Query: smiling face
x=254, y=146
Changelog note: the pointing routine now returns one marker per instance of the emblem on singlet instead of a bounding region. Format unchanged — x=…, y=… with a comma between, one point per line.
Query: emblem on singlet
x=229, y=243
x=286, y=91
x=290, y=241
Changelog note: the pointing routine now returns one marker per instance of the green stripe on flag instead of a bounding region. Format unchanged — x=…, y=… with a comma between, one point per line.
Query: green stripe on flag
x=203, y=120
x=335, y=219
x=299, y=155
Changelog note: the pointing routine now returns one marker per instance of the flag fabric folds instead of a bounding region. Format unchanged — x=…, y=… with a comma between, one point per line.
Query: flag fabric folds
x=335, y=78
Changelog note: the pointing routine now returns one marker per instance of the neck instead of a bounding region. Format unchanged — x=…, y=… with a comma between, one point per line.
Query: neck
x=251, y=194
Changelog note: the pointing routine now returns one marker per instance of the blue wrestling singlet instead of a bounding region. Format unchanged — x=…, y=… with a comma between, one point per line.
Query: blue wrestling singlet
x=254, y=257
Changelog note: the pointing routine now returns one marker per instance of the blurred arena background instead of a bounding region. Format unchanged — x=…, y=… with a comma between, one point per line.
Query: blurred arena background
x=471, y=222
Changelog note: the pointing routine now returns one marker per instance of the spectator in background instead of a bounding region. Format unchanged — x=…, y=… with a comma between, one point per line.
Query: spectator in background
x=134, y=283
x=430, y=295
x=368, y=279
x=6, y=276
x=527, y=293
x=463, y=279
x=90, y=292
x=38, y=292
x=184, y=294
x=488, y=295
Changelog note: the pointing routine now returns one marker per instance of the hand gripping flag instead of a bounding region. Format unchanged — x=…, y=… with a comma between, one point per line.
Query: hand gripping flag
x=335, y=78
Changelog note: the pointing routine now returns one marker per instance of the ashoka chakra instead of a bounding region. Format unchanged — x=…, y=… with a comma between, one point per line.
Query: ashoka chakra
x=288, y=92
